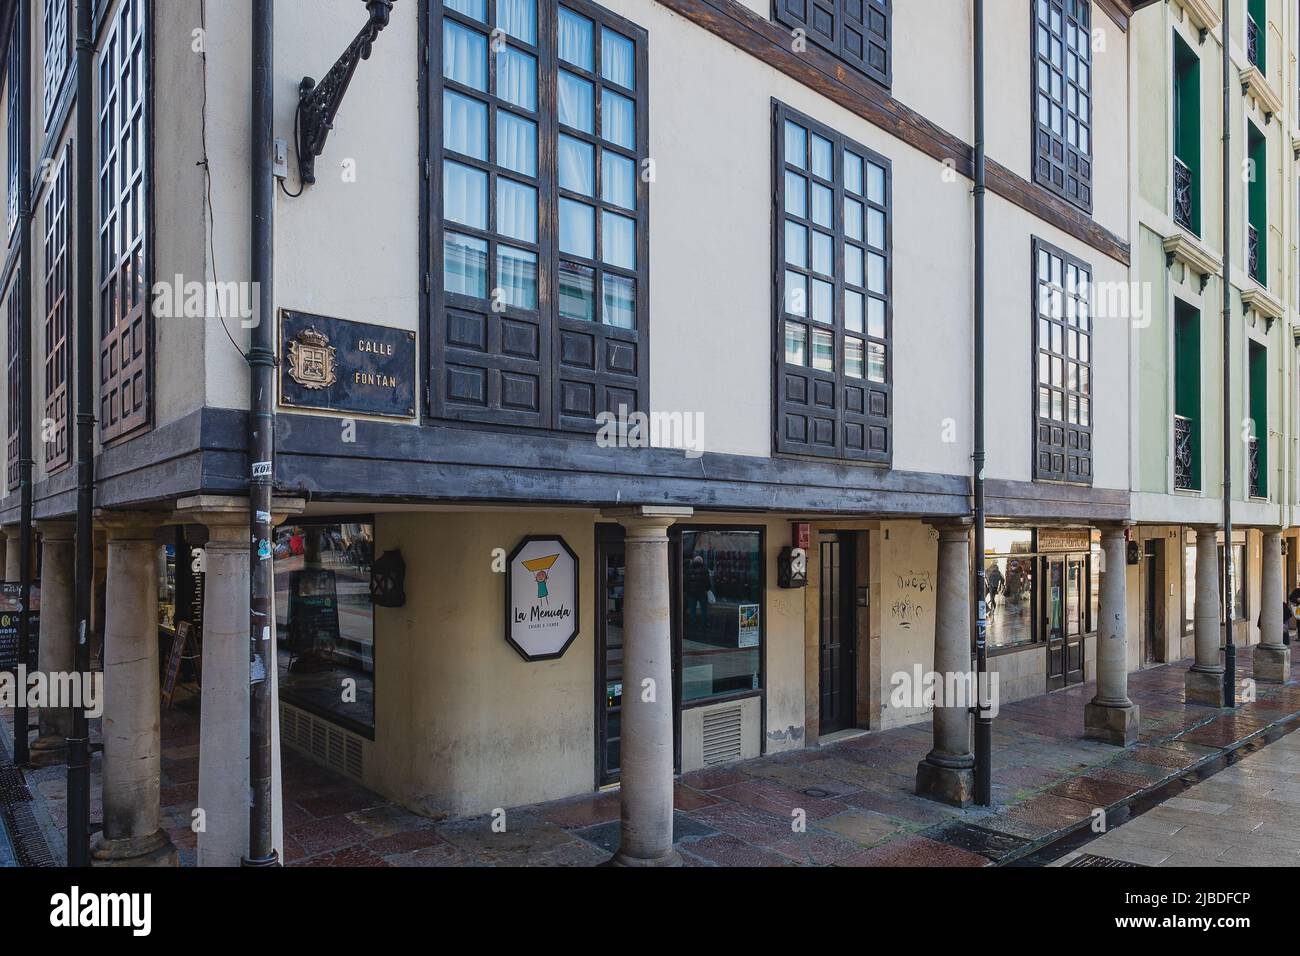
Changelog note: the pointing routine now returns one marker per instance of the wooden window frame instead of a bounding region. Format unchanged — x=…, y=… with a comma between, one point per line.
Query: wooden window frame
x=13, y=321
x=863, y=430
x=11, y=133
x=837, y=26
x=58, y=52
x=58, y=315
x=1071, y=443
x=481, y=352
x=124, y=224
x=1064, y=169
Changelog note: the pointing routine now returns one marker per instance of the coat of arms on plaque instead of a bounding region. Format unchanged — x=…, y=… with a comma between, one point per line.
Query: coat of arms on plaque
x=312, y=362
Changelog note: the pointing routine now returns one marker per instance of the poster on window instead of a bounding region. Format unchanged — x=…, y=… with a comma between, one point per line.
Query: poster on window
x=542, y=598
x=748, y=633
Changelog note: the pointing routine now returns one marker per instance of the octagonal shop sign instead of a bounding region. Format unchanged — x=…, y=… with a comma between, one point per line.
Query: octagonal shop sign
x=542, y=598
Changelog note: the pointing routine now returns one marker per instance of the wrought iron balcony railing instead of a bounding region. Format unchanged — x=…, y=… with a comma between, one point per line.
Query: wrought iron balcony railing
x=1252, y=252
x=1252, y=41
x=1256, y=488
x=1184, y=465
x=1182, y=194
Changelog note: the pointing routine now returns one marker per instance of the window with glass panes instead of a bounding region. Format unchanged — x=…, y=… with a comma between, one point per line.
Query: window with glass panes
x=1063, y=371
x=833, y=306
x=123, y=213
x=1063, y=98
x=11, y=134
x=58, y=52
x=539, y=280
x=58, y=343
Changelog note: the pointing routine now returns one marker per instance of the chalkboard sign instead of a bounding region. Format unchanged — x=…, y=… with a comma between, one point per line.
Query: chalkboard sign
x=10, y=605
x=313, y=620
x=174, y=661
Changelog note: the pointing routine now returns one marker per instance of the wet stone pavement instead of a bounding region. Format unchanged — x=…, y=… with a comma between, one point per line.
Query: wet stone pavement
x=855, y=796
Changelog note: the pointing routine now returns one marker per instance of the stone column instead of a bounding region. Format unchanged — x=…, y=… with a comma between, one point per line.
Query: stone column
x=1111, y=717
x=646, y=792
x=13, y=553
x=132, y=835
x=1272, y=657
x=223, y=725
x=56, y=647
x=947, y=774
x=1204, y=681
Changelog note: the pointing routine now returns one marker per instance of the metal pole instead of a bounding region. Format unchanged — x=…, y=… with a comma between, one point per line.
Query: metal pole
x=1229, y=575
x=983, y=722
x=261, y=444
x=79, y=741
x=24, y=27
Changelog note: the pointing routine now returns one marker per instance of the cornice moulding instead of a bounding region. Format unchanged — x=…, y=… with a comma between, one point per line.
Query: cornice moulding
x=1183, y=248
x=1254, y=83
x=1263, y=302
x=1202, y=14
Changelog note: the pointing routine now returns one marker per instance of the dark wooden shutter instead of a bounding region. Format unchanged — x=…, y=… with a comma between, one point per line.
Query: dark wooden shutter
x=13, y=367
x=58, y=344
x=856, y=31
x=1062, y=98
x=123, y=144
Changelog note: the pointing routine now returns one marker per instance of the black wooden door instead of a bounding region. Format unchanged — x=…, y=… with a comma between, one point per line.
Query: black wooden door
x=610, y=566
x=836, y=633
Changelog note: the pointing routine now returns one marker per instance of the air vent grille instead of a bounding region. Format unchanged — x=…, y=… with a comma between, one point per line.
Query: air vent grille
x=322, y=741
x=722, y=736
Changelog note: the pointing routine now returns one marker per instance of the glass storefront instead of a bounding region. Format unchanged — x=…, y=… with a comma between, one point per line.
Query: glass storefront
x=325, y=627
x=1009, y=575
x=1241, y=611
x=722, y=612
x=1040, y=586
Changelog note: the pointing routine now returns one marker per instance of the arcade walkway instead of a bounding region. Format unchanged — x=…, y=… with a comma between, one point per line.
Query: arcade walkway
x=857, y=794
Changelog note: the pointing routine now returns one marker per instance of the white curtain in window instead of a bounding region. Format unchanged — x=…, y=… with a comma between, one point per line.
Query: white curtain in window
x=518, y=18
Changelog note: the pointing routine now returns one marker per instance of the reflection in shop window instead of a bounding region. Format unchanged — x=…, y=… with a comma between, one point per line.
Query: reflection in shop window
x=722, y=607
x=1009, y=583
x=325, y=632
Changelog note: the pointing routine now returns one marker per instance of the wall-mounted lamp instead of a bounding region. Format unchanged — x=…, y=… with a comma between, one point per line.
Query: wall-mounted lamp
x=319, y=102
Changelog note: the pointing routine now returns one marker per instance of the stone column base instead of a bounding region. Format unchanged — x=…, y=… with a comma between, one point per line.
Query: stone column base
x=671, y=858
x=953, y=785
x=1205, y=687
x=49, y=751
x=155, y=850
x=1272, y=666
x=1111, y=724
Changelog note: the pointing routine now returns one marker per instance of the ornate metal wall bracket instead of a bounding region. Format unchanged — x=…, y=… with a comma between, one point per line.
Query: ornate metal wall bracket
x=319, y=102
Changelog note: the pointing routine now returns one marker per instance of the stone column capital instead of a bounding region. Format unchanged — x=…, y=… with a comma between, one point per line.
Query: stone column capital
x=647, y=522
x=56, y=530
x=130, y=525
x=226, y=516
x=1114, y=527
x=952, y=530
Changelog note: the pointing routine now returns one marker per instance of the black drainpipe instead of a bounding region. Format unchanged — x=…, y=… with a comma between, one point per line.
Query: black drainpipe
x=983, y=722
x=78, y=742
x=1229, y=573
x=24, y=27
x=261, y=443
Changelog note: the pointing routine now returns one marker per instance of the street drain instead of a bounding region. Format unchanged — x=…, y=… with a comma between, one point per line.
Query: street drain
x=990, y=843
x=17, y=818
x=1091, y=859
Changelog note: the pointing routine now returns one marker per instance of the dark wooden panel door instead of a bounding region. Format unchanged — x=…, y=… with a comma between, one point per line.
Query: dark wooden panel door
x=836, y=634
